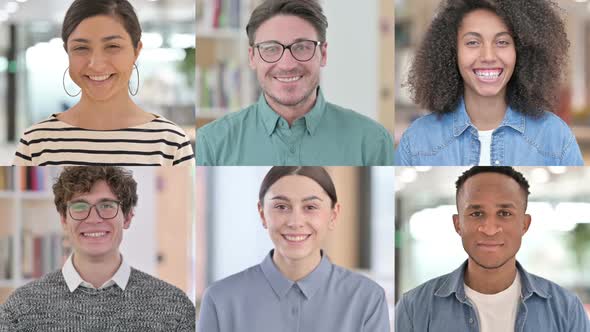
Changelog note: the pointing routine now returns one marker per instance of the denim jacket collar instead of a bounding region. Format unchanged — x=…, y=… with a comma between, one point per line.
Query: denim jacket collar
x=461, y=120
x=456, y=281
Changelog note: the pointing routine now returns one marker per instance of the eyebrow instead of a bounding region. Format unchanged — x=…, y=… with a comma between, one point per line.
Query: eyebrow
x=104, y=39
x=478, y=35
x=284, y=198
x=80, y=200
x=276, y=41
x=501, y=205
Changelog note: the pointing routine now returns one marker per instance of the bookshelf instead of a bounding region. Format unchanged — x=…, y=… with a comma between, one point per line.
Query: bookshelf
x=224, y=81
x=30, y=246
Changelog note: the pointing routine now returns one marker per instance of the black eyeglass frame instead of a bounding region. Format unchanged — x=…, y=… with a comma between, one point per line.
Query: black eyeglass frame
x=316, y=42
x=97, y=210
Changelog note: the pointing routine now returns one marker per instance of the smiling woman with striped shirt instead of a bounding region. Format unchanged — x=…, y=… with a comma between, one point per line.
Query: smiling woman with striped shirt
x=102, y=39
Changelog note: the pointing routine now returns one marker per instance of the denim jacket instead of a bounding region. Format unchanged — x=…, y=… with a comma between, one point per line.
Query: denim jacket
x=451, y=139
x=440, y=305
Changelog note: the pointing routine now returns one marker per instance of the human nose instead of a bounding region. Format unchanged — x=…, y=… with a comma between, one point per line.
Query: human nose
x=287, y=60
x=488, y=53
x=93, y=216
x=296, y=219
x=490, y=227
x=97, y=59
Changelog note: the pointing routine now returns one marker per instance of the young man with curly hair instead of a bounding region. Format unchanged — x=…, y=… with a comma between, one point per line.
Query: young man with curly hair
x=491, y=291
x=489, y=71
x=96, y=289
x=292, y=123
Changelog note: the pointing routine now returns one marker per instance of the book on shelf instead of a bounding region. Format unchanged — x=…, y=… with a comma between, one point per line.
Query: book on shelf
x=42, y=254
x=37, y=178
x=219, y=86
x=218, y=14
x=7, y=179
x=5, y=257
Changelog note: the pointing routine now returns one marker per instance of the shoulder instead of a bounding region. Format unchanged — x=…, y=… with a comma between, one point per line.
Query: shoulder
x=353, y=281
x=546, y=121
x=421, y=295
x=155, y=288
x=49, y=124
x=40, y=289
x=162, y=124
x=429, y=124
x=557, y=295
x=230, y=287
x=348, y=118
x=229, y=121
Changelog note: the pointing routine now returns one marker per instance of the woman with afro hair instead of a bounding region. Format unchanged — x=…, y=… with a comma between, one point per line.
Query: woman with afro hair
x=489, y=72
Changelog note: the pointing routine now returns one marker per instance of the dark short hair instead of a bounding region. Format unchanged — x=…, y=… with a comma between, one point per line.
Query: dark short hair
x=316, y=173
x=541, y=45
x=80, y=179
x=82, y=9
x=506, y=170
x=309, y=10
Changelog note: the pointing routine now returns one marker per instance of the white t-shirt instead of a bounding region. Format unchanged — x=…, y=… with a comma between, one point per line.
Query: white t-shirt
x=485, y=140
x=496, y=312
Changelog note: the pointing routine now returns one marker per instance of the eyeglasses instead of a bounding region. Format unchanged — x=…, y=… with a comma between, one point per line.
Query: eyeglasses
x=79, y=211
x=302, y=50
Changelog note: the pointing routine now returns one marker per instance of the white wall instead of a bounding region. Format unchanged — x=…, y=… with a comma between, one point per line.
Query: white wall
x=350, y=78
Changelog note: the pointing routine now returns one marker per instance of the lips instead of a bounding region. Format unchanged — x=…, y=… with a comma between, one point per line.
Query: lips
x=490, y=245
x=99, y=78
x=94, y=234
x=288, y=79
x=488, y=74
x=296, y=238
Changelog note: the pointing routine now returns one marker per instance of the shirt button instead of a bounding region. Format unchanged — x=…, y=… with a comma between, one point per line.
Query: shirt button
x=497, y=162
x=470, y=320
x=292, y=149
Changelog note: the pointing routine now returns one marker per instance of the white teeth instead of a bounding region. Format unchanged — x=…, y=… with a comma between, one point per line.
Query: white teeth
x=289, y=79
x=298, y=238
x=100, y=234
x=488, y=74
x=100, y=78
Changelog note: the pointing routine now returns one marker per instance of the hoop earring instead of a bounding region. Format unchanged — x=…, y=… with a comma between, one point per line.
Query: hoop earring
x=129, y=87
x=63, y=82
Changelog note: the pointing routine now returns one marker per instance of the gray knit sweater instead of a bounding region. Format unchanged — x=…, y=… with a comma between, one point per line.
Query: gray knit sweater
x=147, y=304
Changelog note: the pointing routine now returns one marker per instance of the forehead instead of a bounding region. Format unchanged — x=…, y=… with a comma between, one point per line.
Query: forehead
x=96, y=27
x=481, y=21
x=285, y=29
x=492, y=188
x=100, y=190
x=295, y=187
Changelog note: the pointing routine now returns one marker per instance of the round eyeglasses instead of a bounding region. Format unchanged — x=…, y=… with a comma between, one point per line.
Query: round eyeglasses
x=302, y=50
x=79, y=211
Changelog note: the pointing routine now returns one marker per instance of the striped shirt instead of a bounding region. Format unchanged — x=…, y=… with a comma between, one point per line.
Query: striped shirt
x=159, y=142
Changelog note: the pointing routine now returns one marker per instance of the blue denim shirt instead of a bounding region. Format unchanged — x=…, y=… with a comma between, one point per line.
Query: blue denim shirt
x=440, y=305
x=451, y=139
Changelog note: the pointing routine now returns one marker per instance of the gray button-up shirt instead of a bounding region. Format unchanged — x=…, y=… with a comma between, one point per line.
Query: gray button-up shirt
x=261, y=299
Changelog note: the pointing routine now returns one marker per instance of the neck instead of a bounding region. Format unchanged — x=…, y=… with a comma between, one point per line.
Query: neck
x=114, y=113
x=293, y=112
x=490, y=281
x=296, y=269
x=97, y=271
x=486, y=113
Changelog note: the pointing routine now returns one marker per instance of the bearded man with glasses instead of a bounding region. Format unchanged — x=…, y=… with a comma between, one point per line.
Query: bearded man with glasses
x=292, y=123
x=96, y=289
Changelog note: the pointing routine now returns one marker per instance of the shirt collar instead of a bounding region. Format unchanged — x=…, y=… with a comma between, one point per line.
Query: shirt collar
x=461, y=120
x=308, y=285
x=74, y=280
x=454, y=284
x=271, y=119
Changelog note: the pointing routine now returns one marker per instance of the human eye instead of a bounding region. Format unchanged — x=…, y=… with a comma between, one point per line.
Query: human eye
x=79, y=48
x=476, y=214
x=113, y=46
x=472, y=43
x=280, y=206
x=270, y=48
x=311, y=207
x=79, y=206
x=504, y=213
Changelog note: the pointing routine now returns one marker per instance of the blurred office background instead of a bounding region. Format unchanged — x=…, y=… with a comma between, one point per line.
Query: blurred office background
x=359, y=71
x=32, y=63
x=556, y=247
x=230, y=236
x=159, y=241
x=412, y=18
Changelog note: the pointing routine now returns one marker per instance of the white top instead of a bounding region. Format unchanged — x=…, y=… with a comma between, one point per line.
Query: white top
x=74, y=280
x=485, y=140
x=53, y=142
x=496, y=312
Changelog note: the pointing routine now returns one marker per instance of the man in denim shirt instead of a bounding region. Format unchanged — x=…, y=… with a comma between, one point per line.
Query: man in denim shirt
x=491, y=291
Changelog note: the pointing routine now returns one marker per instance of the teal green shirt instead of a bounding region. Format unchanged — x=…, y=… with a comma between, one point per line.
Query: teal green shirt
x=327, y=135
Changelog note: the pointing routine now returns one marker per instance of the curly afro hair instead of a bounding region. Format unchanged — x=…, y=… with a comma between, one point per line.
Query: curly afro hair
x=541, y=46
